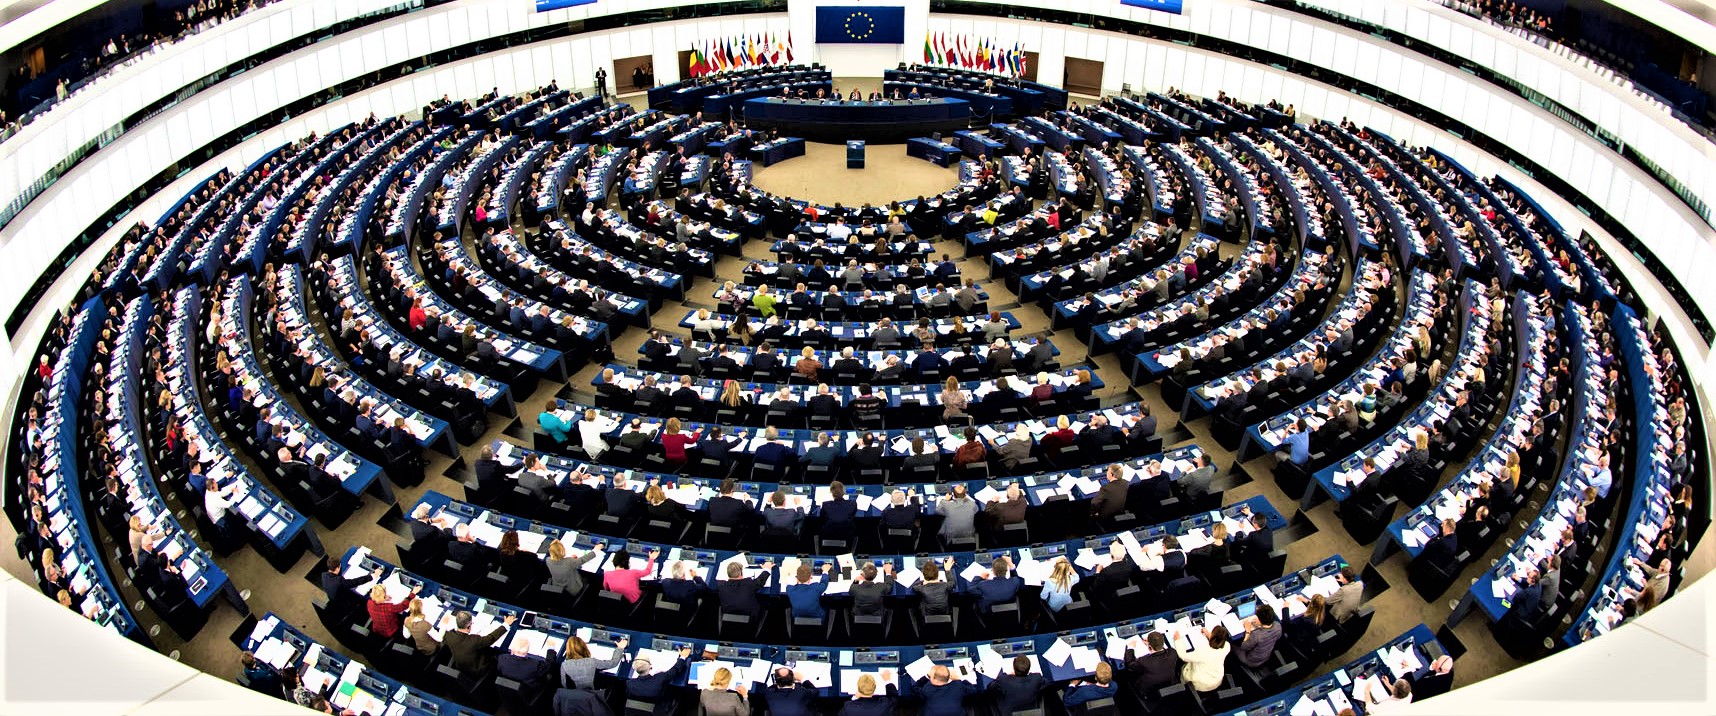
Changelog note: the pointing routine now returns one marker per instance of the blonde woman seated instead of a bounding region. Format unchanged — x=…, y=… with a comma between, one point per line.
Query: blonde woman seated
x=1057, y=589
x=867, y=702
x=705, y=325
x=808, y=366
x=953, y=400
x=723, y=697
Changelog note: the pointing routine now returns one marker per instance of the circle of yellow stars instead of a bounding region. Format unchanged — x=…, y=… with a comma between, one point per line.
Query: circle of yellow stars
x=868, y=31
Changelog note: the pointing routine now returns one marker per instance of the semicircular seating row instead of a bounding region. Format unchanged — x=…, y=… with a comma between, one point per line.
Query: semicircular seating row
x=879, y=472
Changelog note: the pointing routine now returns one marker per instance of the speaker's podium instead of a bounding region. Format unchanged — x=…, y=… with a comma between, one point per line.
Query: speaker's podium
x=854, y=154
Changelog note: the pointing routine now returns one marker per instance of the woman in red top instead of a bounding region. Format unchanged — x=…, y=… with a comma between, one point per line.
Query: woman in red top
x=418, y=317
x=1060, y=437
x=624, y=581
x=384, y=618
x=674, y=442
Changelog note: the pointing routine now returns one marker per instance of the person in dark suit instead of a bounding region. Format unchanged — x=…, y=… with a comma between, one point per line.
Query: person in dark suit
x=1256, y=544
x=1173, y=558
x=1441, y=549
x=1110, y=499
x=490, y=472
x=1528, y=604
x=428, y=538
x=869, y=589
x=778, y=518
x=1020, y=690
x=530, y=671
x=825, y=452
x=928, y=361
x=900, y=514
x=773, y=452
x=942, y=694
x=340, y=590
x=935, y=593
x=1098, y=434
x=468, y=652
x=621, y=501
x=466, y=550
x=790, y=694
x=727, y=510
x=738, y=593
x=838, y=513
x=651, y=686
x=999, y=586
x=867, y=455
x=579, y=702
x=681, y=585
x=1154, y=669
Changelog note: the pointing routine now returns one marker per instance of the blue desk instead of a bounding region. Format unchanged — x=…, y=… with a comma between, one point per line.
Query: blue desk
x=890, y=121
x=547, y=632
x=936, y=151
x=80, y=554
x=1418, y=640
x=778, y=150
x=346, y=682
x=356, y=475
x=261, y=508
x=203, y=576
x=854, y=154
x=1647, y=502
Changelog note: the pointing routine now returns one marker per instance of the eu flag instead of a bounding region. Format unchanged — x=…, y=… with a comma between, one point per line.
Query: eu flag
x=860, y=23
x=546, y=5
x=1172, y=6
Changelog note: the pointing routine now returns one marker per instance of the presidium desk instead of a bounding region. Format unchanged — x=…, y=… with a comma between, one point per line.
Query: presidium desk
x=838, y=121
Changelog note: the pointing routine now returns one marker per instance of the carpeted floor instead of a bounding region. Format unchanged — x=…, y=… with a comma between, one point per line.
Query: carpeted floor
x=821, y=176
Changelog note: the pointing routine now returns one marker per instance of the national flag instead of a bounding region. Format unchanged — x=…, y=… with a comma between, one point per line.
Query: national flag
x=929, y=51
x=696, y=62
x=789, y=46
x=752, y=48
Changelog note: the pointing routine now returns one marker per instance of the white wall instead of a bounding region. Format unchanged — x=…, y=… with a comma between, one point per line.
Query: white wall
x=857, y=60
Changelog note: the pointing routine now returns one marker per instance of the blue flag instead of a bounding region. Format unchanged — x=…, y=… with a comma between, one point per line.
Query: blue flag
x=1172, y=6
x=861, y=23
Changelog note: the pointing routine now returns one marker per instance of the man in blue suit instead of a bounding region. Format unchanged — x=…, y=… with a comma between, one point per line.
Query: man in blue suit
x=942, y=695
x=806, y=595
x=1527, y=601
x=1001, y=585
x=928, y=360
x=773, y=452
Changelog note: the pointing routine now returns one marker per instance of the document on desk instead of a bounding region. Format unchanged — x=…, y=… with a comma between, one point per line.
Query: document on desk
x=819, y=673
x=973, y=571
x=989, y=662
x=1085, y=659
x=919, y=669
x=1058, y=652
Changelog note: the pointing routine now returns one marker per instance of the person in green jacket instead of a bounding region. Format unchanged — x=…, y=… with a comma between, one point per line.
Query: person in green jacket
x=553, y=424
x=764, y=302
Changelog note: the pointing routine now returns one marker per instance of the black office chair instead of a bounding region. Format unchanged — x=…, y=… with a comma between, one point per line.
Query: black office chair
x=740, y=627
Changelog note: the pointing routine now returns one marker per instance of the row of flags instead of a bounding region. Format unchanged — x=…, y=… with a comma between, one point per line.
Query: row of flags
x=738, y=53
x=983, y=54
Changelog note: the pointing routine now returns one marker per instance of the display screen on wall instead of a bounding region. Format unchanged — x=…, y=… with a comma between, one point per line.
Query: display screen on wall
x=1172, y=6
x=861, y=23
x=546, y=5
